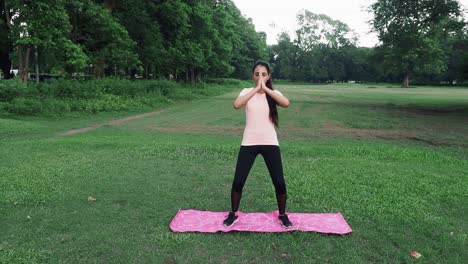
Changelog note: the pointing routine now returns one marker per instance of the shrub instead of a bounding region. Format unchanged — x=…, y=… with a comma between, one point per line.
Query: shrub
x=11, y=89
x=55, y=97
x=24, y=106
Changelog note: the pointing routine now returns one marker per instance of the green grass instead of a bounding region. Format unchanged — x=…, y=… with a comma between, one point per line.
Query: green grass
x=393, y=161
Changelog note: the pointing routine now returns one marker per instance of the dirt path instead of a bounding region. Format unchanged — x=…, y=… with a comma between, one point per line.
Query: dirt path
x=109, y=123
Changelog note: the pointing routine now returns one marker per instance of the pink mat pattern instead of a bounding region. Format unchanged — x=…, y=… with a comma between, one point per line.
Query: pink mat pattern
x=212, y=222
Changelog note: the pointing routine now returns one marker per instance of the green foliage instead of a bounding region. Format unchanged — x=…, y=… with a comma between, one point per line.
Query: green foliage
x=5, y=41
x=431, y=50
x=319, y=29
x=137, y=16
x=323, y=50
x=46, y=24
x=227, y=81
x=104, y=39
x=24, y=106
x=456, y=53
x=323, y=42
x=73, y=56
x=195, y=40
x=412, y=33
x=102, y=95
x=39, y=23
x=10, y=89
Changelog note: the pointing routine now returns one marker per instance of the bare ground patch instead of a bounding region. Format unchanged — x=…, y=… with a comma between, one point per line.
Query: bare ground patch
x=109, y=123
x=325, y=130
x=198, y=129
x=337, y=130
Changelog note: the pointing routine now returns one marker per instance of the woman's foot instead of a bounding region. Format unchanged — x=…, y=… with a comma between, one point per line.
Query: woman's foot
x=284, y=220
x=230, y=219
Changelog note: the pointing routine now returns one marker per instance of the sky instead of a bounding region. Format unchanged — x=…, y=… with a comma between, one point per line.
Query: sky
x=274, y=17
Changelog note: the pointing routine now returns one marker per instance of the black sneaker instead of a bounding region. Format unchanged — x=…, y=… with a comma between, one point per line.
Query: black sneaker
x=285, y=221
x=230, y=219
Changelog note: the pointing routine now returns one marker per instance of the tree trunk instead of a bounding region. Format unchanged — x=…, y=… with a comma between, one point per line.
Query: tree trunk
x=73, y=33
x=36, y=60
x=20, y=59
x=109, y=4
x=7, y=14
x=192, y=75
x=5, y=62
x=26, y=64
x=405, y=82
x=99, y=69
x=23, y=62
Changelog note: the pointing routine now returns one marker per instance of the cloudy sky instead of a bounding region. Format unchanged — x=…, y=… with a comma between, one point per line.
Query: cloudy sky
x=273, y=17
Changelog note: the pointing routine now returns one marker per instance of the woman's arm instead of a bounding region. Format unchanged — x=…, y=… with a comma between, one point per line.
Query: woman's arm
x=280, y=99
x=242, y=100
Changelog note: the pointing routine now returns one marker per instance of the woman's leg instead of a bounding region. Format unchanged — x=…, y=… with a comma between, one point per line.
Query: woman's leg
x=272, y=156
x=245, y=161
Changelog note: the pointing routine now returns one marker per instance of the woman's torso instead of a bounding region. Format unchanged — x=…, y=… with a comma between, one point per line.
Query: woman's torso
x=259, y=129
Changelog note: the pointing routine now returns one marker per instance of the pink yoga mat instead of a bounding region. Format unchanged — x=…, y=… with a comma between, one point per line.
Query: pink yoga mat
x=212, y=222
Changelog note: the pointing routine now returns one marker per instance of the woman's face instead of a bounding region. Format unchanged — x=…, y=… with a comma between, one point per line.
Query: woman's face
x=260, y=71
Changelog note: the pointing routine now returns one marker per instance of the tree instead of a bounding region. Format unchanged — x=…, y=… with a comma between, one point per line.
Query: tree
x=456, y=49
x=137, y=16
x=283, y=57
x=411, y=33
x=184, y=39
x=6, y=45
x=361, y=64
x=247, y=44
x=42, y=24
x=201, y=37
x=320, y=29
x=104, y=40
x=318, y=52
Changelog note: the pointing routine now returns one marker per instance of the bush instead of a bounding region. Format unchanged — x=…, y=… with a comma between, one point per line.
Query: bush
x=11, y=89
x=54, y=106
x=55, y=97
x=224, y=81
x=24, y=106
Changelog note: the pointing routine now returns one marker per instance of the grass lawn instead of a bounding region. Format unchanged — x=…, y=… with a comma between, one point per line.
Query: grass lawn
x=393, y=161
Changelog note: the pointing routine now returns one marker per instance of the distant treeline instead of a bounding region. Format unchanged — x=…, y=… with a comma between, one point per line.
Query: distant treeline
x=189, y=40
x=425, y=40
x=177, y=39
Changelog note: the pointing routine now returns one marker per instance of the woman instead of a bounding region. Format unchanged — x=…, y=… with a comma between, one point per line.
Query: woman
x=260, y=138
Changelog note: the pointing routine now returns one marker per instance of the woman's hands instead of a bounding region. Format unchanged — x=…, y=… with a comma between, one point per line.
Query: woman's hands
x=258, y=86
x=261, y=84
x=280, y=99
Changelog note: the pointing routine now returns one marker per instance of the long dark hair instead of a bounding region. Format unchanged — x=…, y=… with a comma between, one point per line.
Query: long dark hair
x=271, y=102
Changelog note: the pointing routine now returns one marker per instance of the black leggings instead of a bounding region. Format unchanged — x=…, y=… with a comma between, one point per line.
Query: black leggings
x=272, y=156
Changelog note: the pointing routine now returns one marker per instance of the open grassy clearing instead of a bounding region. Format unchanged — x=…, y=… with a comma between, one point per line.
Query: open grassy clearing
x=392, y=161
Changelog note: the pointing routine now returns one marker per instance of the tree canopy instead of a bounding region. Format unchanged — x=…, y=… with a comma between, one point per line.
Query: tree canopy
x=425, y=40
x=181, y=39
x=413, y=34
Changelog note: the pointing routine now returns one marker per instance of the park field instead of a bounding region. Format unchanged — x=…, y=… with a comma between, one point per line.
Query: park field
x=393, y=161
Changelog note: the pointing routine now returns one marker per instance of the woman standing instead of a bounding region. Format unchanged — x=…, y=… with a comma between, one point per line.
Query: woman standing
x=260, y=138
